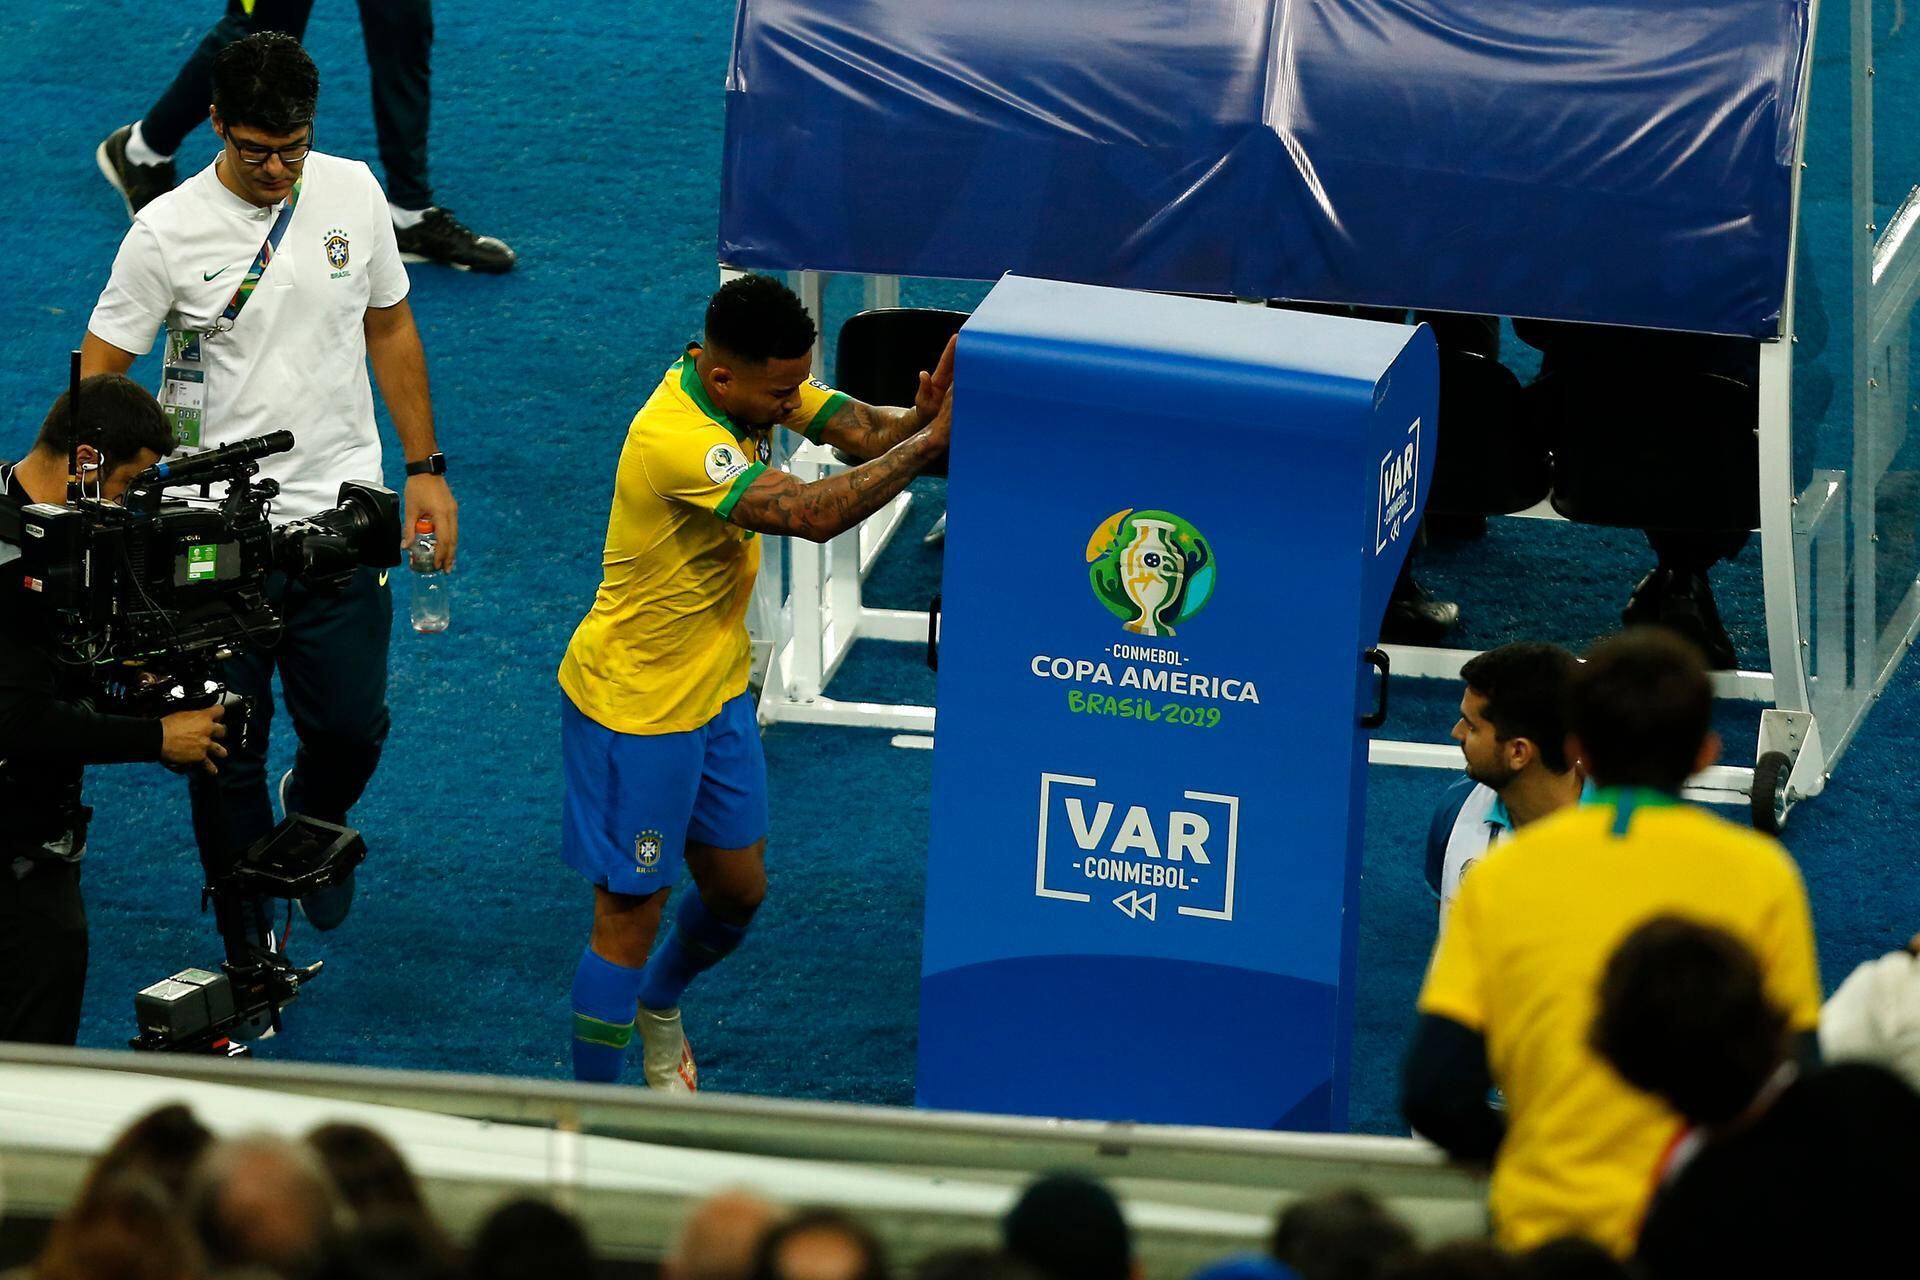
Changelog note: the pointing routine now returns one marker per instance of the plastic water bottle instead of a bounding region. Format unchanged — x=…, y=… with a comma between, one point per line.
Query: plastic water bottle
x=432, y=597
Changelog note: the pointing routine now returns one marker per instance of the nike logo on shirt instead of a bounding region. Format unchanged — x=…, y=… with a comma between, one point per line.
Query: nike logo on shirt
x=208, y=275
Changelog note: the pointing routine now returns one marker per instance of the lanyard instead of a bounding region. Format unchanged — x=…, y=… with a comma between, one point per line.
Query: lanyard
x=261, y=259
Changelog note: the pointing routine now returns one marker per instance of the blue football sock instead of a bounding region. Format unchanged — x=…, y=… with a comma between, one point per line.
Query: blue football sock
x=604, y=996
x=699, y=941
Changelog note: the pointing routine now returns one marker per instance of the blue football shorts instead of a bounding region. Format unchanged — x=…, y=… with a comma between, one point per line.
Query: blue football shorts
x=634, y=800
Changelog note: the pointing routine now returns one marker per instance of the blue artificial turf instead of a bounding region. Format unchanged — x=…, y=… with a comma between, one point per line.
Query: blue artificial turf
x=590, y=140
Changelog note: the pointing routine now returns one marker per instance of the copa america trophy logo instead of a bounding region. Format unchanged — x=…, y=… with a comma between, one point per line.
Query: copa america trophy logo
x=1151, y=569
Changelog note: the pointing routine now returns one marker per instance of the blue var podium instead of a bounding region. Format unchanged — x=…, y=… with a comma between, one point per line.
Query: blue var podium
x=1173, y=525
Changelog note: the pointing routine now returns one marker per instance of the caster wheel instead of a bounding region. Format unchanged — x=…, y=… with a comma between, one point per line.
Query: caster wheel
x=1769, y=795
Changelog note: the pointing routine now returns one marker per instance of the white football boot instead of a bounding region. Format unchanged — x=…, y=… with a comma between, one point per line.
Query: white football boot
x=666, y=1059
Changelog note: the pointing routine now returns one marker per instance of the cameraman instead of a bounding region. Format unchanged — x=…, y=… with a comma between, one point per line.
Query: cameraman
x=46, y=736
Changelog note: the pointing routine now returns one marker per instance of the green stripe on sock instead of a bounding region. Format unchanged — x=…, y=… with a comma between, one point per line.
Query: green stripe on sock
x=614, y=1035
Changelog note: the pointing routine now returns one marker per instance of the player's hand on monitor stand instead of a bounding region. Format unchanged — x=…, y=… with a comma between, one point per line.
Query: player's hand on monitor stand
x=939, y=428
x=934, y=386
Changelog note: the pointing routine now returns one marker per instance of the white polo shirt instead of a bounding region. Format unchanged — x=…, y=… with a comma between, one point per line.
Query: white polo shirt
x=296, y=357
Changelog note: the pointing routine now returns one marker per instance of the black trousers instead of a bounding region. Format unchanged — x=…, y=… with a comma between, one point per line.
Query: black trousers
x=332, y=662
x=43, y=951
x=399, y=40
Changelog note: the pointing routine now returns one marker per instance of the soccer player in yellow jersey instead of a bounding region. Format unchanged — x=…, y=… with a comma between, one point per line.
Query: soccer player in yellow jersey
x=658, y=740
x=1510, y=996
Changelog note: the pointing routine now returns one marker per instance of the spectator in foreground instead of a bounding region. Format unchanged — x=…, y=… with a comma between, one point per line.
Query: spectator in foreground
x=161, y=1145
x=530, y=1240
x=375, y=1182
x=1246, y=1266
x=820, y=1244
x=976, y=1264
x=720, y=1238
x=1782, y=1172
x=1070, y=1228
x=1340, y=1235
x=1456, y=1260
x=1509, y=997
x=385, y=1246
x=1572, y=1258
x=123, y=1228
x=262, y=1201
x=1875, y=1015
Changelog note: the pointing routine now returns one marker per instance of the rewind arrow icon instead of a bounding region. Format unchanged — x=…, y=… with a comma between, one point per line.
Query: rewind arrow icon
x=1136, y=904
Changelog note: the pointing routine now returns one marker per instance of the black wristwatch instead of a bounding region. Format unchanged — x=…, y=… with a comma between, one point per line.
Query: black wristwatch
x=434, y=464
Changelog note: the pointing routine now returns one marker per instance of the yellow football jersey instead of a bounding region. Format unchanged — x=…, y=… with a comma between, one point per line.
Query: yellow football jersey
x=665, y=644
x=1520, y=961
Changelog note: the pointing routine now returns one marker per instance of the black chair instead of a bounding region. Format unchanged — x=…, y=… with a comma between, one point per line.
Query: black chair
x=1492, y=460
x=881, y=353
x=1650, y=448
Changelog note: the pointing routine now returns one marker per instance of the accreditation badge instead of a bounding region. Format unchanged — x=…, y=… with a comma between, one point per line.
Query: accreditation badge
x=183, y=387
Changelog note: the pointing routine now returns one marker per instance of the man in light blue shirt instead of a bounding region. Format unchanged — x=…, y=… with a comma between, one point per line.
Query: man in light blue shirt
x=1512, y=731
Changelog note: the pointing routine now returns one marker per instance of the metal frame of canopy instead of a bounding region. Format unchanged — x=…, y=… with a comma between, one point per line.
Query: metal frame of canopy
x=1831, y=643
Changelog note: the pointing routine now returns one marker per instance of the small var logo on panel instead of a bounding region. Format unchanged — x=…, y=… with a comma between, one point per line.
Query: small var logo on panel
x=1150, y=861
x=1399, y=482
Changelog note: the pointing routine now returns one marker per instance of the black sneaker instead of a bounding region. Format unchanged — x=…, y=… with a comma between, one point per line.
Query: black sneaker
x=440, y=237
x=138, y=184
x=1414, y=617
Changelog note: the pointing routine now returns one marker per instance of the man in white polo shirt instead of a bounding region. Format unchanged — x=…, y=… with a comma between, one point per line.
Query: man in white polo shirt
x=275, y=274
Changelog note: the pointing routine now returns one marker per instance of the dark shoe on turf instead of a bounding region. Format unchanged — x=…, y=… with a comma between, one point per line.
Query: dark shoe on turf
x=327, y=908
x=1414, y=617
x=138, y=184
x=440, y=237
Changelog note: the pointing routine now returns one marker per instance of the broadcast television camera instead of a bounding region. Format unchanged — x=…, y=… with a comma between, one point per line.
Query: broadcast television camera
x=146, y=597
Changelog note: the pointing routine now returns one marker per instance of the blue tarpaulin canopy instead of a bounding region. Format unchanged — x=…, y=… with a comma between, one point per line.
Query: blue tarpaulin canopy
x=1615, y=161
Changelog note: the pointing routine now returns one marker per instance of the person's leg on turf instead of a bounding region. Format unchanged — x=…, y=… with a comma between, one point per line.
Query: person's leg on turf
x=398, y=35
x=43, y=942
x=333, y=672
x=231, y=809
x=399, y=39
x=137, y=159
x=627, y=802
x=606, y=984
x=725, y=852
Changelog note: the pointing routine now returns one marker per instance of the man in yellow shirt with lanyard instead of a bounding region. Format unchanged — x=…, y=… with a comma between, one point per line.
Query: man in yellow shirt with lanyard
x=659, y=742
x=1511, y=993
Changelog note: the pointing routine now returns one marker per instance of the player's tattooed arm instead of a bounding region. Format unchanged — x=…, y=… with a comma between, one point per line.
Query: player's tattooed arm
x=867, y=431
x=778, y=503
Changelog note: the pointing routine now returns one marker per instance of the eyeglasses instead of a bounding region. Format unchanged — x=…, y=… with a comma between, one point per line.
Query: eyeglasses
x=255, y=153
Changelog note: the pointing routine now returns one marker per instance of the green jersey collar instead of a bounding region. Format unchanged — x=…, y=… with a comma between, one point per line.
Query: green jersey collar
x=1627, y=799
x=697, y=390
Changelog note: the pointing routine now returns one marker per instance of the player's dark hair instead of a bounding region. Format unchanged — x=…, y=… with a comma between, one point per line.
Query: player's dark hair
x=1344, y=1232
x=873, y=1255
x=266, y=82
x=1525, y=686
x=1641, y=706
x=1684, y=1015
x=118, y=416
x=757, y=318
